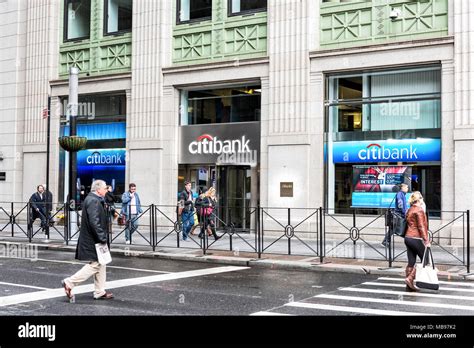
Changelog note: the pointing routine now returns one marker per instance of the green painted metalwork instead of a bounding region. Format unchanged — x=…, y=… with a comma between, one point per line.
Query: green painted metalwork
x=352, y=23
x=223, y=37
x=100, y=54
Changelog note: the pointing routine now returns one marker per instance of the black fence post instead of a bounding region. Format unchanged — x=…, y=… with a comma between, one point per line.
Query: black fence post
x=153, y=227
x=468, y=241
x=354, y=222
x=12, y=220
x=66, y=223
x=289, y=238
x=258, y=231
x=389, y=240
x=29, y=223
x=321, y=244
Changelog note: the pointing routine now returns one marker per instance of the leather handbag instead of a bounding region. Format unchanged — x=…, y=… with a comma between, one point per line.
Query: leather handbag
x=426, y=276
x=399, y=224
x=122, y=220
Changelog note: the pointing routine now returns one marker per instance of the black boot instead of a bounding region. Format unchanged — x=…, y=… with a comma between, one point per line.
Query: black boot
x=216, y=237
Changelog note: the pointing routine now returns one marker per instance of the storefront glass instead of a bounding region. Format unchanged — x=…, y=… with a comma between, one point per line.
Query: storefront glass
x=382, y=128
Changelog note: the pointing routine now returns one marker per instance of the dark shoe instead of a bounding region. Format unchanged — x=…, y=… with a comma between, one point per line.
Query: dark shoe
x=67, y=289
x=106, y=296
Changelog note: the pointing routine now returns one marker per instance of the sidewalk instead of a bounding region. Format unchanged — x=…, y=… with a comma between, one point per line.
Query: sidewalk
x=250, y=259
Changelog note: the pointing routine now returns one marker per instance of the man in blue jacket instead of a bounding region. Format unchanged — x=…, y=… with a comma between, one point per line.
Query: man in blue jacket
x=132, y=209
x=401, y=207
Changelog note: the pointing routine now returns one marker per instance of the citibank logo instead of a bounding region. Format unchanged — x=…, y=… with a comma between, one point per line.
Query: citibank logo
x=98, y=158
x=208, y=144
x=378, y=152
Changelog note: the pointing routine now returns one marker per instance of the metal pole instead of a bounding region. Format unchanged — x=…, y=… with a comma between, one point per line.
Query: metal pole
x=73, y=105
x=289, y=223
x=47, y=167
x=258, y=231
x=321, y=244
x=12, y=220
x=468, y=241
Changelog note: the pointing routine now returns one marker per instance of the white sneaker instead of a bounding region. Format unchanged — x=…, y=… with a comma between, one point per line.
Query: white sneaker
x=127, y=242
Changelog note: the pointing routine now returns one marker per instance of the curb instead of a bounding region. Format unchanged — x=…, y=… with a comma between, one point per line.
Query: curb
x=256, y=263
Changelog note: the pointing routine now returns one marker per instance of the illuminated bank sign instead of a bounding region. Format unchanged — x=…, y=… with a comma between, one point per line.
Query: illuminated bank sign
x=105, y=164
x=222, y=144
x=402, y=150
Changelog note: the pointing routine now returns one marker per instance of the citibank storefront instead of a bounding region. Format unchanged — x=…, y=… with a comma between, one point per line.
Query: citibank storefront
x=382, y=129
x=219, y=140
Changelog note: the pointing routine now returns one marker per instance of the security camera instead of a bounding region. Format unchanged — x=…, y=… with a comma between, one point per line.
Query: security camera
x=394, y=14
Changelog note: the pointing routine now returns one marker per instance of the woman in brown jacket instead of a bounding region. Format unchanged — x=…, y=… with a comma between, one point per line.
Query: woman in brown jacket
x=416, y=237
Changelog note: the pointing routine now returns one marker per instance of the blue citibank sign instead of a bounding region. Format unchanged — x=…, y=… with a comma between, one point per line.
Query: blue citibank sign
x=400, y=150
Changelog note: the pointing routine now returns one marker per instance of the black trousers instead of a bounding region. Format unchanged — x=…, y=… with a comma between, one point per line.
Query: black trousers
x=414, y=247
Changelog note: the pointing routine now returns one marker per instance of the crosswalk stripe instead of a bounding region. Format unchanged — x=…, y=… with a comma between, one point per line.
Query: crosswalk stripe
x=403, y=293
x=353, y=309
x=265, y=313
x=403, y=286
x=52, y=293
x=25, y=286
x=441, y=282
x=397, y=302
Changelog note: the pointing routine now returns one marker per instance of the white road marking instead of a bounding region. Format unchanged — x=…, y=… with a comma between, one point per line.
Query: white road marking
x=403, y=293
x=441, y=282
x=264, y=313
x=49, y=294
x=352, y=309
x=25, y=286
x=403, y=285
x=396, y=302
x=83, y=263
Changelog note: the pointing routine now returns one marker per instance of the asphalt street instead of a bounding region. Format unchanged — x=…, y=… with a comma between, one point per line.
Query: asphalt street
x=145, y=286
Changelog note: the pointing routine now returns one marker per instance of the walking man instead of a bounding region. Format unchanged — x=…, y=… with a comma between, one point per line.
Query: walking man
x=131, y=209
x=93, y=231
x=38, y=207
x=187, y=212
x=401, y=208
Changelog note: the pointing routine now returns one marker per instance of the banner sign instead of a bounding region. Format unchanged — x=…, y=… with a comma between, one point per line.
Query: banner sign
x=401, y=150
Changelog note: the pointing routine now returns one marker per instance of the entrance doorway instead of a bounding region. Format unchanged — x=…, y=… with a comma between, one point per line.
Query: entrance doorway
x=237, y=194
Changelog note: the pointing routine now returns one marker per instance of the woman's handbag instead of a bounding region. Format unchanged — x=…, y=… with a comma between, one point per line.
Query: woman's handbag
x=399, y=224
x=103, y=253
x=426, y=274
x=122, y=220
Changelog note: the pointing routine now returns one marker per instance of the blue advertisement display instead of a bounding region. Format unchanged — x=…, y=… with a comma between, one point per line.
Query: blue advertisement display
x=99, y=131
x=104, y=164
x=376, y=186
x=401, y=150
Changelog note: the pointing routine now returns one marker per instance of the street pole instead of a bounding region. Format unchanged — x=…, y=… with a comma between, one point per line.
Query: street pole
x=48, y=134
x=73, y=106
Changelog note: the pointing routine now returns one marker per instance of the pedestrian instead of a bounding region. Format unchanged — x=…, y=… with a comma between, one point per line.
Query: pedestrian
x=416, y=237
x=206, y=208
x=197, y=220
x=93, y=231
x=38, y=207
x=186, y=209
x=110, y=207
x=131, y=209
x=48, y=204
x=401, y=209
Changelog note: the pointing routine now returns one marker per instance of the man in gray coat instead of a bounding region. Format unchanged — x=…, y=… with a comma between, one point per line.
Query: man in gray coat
x=93, y=231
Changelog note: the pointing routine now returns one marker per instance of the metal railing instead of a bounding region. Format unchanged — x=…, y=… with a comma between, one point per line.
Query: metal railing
x=314, y=232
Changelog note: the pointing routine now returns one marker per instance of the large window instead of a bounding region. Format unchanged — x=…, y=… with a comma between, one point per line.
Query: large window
x=118, y=16
x=383, y=128
x=194, y=10
x=379, y=101
x=246, y=6
x=77, y=18
x=238, y=104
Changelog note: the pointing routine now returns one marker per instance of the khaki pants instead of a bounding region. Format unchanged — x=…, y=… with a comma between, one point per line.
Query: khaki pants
x=91, y=269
